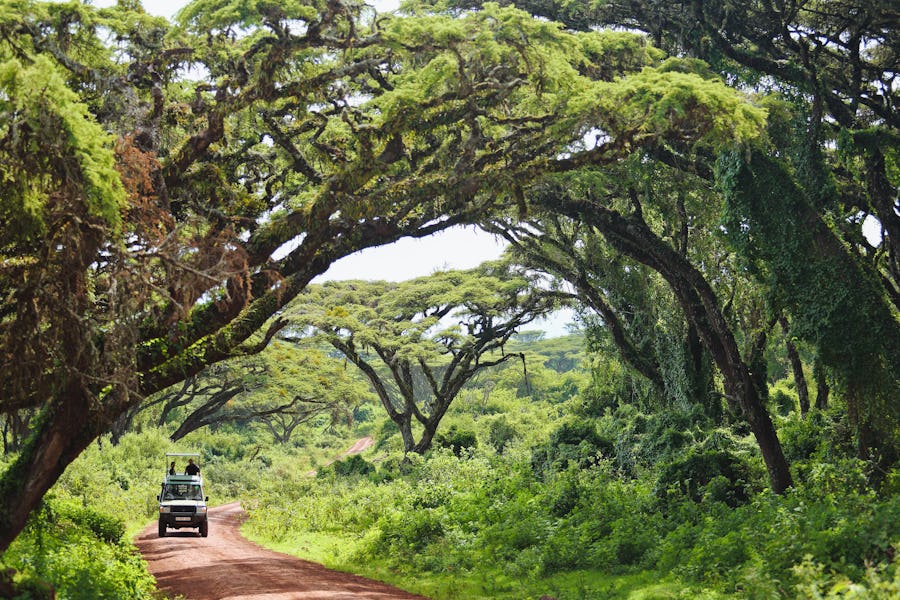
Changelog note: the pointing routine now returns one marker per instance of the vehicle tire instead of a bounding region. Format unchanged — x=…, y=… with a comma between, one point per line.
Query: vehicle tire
x=162, y=529
x=204, y=529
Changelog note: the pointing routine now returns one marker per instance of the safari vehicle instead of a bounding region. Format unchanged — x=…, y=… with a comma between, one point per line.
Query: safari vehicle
x=181, y=499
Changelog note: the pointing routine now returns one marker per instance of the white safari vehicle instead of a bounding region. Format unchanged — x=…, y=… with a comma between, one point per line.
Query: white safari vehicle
x=181, y=499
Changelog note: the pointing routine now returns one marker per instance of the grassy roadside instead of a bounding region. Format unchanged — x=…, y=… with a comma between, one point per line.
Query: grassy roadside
x=335, y=551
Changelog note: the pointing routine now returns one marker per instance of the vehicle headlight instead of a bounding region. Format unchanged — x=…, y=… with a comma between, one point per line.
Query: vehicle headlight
x=164, y=509
x=201, y=509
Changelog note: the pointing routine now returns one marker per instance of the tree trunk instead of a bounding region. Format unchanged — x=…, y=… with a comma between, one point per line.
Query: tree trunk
x=634, y=238
x=822, y=389
x=797, y=368
x=404, y=421
x=426, y=440
x=65, y=428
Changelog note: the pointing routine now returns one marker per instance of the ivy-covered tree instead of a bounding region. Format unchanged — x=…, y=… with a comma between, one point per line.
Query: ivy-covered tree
x=827, y=72
x=624, y=303
x=662, y=218
x=419, y=342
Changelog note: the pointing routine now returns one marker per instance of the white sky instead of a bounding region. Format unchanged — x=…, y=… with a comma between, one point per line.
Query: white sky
x=455, y=248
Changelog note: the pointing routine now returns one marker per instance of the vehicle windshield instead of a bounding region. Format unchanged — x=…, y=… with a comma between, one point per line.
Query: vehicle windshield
x=182, y=491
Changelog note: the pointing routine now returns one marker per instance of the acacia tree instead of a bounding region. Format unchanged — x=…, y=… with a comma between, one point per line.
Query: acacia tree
x=142, y=210
x=829, y=71
x=281, y=387
x=166, y=191
x=429, y=335
x=631, y=305
x=835, y=61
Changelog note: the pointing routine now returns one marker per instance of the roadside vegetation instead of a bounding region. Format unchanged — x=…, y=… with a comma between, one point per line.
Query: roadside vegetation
x=710, y=186
x=537, y=484
x=546, y=493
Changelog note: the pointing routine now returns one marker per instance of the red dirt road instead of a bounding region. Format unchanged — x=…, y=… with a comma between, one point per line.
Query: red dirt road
x=357, y=448
x=227, y=566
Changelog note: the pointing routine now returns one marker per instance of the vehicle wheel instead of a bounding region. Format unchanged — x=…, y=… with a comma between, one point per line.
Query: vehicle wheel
x=162, y=529
x=204, y=529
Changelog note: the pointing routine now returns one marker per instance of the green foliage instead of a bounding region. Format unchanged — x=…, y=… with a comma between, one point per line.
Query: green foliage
x=352, y=465
x=713, y=475
x=808, y=270
x=881, y=582
x=206, y=15
x=107, y=528
x=501, y=432
x=783, y=400
x=457, y=440
x=38, y=95
x=832, y=517
x=395, y=127
x=447, y=525
x=820, y=437
x=670, y=102
x=79, y=551
x=576, y=442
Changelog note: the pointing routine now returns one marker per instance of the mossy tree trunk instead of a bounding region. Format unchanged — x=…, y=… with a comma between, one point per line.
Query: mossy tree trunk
x=631, y=236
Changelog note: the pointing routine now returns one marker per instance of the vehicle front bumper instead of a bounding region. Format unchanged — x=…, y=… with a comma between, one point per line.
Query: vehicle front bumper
x=176, y=520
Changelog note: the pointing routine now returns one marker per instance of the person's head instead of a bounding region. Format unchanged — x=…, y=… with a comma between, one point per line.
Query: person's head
x=190, y=461
x=173, y=463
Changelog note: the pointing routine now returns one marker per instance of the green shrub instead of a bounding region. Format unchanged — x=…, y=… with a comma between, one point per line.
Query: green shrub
x=403, y=532
x=501, y=433
x=783, y=401
x=78, y=551
x=107, y=528
x=387, y=430
x=880, y=582
x=574, y=442
x=691, y=474
x=457, y=440
x=352, y=465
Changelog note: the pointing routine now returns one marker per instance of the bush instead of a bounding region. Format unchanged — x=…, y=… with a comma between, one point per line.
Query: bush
x=576, y=442
x=501, y=433
x=880, y=582
x=405, y=532
x=783, y=401
x=79, y=553
x=107, y=528
x=457, y=440
x=718, y=474
x=352, y=465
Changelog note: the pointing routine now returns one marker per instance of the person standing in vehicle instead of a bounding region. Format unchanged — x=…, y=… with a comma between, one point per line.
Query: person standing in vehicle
x=191, y=468
x=172, y=468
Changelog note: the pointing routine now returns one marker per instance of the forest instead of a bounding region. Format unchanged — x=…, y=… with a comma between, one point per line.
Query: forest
x=710, y=186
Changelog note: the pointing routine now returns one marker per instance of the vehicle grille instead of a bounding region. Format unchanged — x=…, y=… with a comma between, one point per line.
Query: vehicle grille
x=184, y=509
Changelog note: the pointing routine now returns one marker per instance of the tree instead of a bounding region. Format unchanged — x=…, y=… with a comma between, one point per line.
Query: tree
x=630, y=207
x=166, y=191
x=282, y=387
x=827, y=69
x=406, y=327
x=828, y=293
x=142, y=209
x=573, y=253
